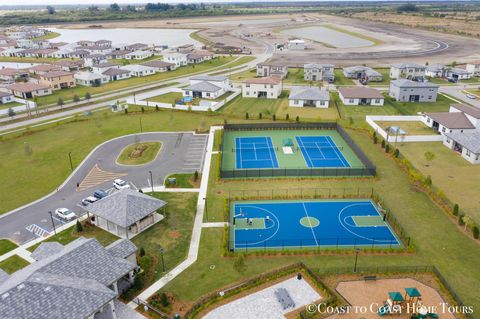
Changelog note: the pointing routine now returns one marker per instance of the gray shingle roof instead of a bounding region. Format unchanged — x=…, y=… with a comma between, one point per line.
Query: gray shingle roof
x=125, y=207
x=308, y=93
x=410, y=83
x=360, y=92
x=317, y=66
x=471, y=141
x=115, y=71
x=122, y=248
x=407, y=65
x=452, y=120
x=69, y=284
x=46, y=249
x=203, y=87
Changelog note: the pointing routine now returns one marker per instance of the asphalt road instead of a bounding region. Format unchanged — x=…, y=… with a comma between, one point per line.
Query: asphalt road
x=180, y=153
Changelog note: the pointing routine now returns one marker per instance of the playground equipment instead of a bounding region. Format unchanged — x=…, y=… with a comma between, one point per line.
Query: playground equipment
x=414, y=301
x=392, y=305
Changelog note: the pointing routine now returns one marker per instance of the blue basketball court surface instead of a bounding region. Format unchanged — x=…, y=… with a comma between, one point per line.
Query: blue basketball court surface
x=321, y=151
x=255, y=152
x=315, y=223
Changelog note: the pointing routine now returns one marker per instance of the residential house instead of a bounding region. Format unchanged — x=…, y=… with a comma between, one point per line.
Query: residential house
x=118, y=54
x=79, y=54
x=98, y=49
x=10, y=74
x=93, y=59
x=186, y=48
x=466, y=144
x=126, y=213
x=85, y=43
x=115, y=74
x=362, y=73
x=6, y=97
x=360, y=96
x=473, y=68
x=407, y=71
x=179, y=59
x=459, y=119
x=105, y=43
x=138, y=55
x=136, y=46
x=302, y=96
x=436, y=70
x=91, y=79
x=272, y=69
x=267, y=87
x=11, y=52
x=458, y=74
x=318, y=72
x=404, y=90
x=139, y=70
x=29, y=90
x=99, y=68
x=296, y=44
x=82, y=279
x=160, y=66
x=70, y=65
x=207, y=87
x=120, y=46
x=43, y=68
x=195, y=58
x=58, y=79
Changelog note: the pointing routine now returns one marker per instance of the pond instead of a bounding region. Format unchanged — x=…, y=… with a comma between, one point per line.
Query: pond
x=328, y=36
x=170, y=37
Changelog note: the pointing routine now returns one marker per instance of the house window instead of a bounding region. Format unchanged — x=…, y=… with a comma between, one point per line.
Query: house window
x=468, y=153
x=296, y=102
x=428, y=120
x=377, y=100
x=448, y=140
x=429, y=97
x=443, y=130
x=476, y=157
x=351, y=100
x=247, y=85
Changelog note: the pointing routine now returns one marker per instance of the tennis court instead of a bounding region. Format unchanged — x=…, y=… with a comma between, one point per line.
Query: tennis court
x=255, y=152
x=321, y=151
x=313, y=223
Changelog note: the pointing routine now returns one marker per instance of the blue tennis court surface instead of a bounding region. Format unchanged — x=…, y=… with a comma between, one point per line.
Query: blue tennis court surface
x=255, y=152
x=321, y=223
x=321, y=151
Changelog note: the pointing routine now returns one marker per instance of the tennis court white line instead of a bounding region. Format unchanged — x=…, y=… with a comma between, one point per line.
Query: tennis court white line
x=342, y=158
x=302, y=149
x=311, y=228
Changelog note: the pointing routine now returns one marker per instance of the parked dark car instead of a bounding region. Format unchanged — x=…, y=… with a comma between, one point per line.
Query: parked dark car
x=100, y=193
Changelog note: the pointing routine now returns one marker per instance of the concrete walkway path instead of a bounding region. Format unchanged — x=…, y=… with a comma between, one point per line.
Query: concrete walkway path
x=197, y=227
x=214, y=225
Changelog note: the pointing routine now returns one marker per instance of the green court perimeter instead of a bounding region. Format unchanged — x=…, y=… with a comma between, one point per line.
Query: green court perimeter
x=289, y=161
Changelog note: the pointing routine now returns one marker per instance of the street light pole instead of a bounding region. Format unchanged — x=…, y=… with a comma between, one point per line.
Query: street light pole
x=141, y=127
x=70, y=158
x=357, y=251
x=51, y=217
x=163, y=262
x=151, y=179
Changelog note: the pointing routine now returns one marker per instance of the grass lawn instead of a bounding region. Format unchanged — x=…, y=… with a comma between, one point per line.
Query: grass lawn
x=6, y=246
x=170, y=98
x=244, y=75
x=340, y=79
x=241, y=105
x=67, y=94
x=412, y=128
x=50, y=145
x=89, y=231
x=9, y=105
x=308, y=113
x=441, y=105
x=184, y=181
x=453, y=253
x=172, y=234
x=13, y=263
x=139, y=154
x=295, y=76
x=456, y=177
x=386, y=77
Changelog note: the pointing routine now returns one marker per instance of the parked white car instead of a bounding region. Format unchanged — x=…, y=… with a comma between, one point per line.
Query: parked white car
x=120, y=184
x=88, y=200
x=471, y=96
x=65, y=213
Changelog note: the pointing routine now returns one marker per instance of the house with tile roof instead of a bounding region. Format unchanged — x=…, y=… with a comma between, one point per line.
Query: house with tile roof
x=80, y=280
x=126, y=213
x=461, y=118
x=301, y=96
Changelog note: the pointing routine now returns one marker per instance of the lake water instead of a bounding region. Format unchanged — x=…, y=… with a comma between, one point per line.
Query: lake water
x=170, y=37
x=332, y=37
x=245, y=22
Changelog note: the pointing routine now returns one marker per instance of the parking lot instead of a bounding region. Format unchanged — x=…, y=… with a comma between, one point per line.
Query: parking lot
x=180, y=153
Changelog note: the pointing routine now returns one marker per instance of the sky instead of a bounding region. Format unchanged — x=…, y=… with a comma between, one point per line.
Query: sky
x=87, y=2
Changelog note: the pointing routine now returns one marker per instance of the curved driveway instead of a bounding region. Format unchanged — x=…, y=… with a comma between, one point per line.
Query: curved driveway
x=180, y=153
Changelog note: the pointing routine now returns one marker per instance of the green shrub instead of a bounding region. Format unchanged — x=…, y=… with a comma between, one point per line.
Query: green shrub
x=428, y=181
x=78, y=227
x=387, y=148
x=164, y=299
x=476, y=232
x=455, y=210
x=142, y=252
x=126, y=111
x=461, y=222
x=297, y=119
x=260, y=115
x=287, y=117
x=383, y=143
x=246, y=116
x=274, y=118
x=396, y=153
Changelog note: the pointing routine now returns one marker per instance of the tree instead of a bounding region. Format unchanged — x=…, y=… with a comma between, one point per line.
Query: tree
x=60, y=102
x=260, y=115
x=114, y=7
x=297, y=119
x=396, y=153
x=246, y=116
x=76, y=99
x=274, y=117
x=88, y=96
x=195, y=176
x=461, y=222
x=142, y=109
x=387, y=148
x=11, y=112
x=383, y=143
x=78, y=227
x=375, y=138
x=287, y=117
x=407, y=7
x=93, y=8
x=164, y=299
x=125, y=110
x=429, y=156
x=476, y=232
x=50, y=10
x=131, y=8
x=239, y=263
x=428, y=181
x=157, y=108
x=455, y=209
x=141, y=252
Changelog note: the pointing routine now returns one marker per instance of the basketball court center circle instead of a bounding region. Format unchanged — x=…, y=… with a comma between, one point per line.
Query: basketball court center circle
x=309, y=222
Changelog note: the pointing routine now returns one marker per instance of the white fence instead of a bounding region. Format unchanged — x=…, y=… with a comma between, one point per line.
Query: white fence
x=205, y=105
x=19, y=108
x=371, y=119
